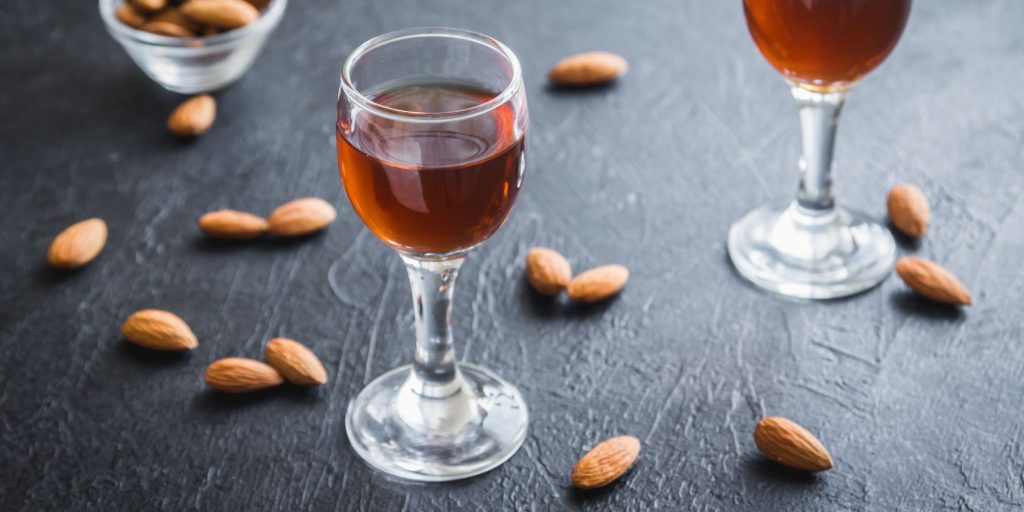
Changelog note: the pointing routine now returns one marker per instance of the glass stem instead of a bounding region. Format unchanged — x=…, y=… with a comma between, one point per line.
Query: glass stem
x=435, y=374
x=819, y=118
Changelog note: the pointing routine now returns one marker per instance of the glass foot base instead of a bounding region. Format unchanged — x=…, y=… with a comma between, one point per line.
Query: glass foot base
x=811, y=255
x=475, y=429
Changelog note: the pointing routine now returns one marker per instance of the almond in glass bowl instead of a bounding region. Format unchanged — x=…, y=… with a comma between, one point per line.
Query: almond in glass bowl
x=192, y=46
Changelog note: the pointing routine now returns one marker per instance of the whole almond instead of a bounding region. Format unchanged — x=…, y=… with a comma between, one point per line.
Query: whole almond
x=598, y=284
x=127, y=13
x=149, y=5
x=547, y=271
x=301, y=217
x=158, y=330
x=791, y=445
x=193, y=117
x=175, y=16
x=232, y=224
x=606, y=462
x=240, y=375
x=225, y=14
x=908, y=210
x=589, y=68
x=296, y=363
x=78, y=244
x=932, y=281
x=166, y=28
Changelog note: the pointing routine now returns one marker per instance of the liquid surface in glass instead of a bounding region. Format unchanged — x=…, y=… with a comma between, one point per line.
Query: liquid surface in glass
x=432, y=187
x=826, y=44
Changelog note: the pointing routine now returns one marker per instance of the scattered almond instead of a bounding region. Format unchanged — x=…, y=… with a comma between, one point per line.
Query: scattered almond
x=295, y=362
x=547, y=271
x=159, y=330
x=232, y=224
x=166, y=28
x=791, y=445
x=598, y=283
x=932, y=281
x=193, y=117
x=301, y=217
x=588, y=69
x=606, y=462
x=149, y=5
x=126, y=13
x=78, y=244
x=225, y=14
x=908, y=210
x=240, y=375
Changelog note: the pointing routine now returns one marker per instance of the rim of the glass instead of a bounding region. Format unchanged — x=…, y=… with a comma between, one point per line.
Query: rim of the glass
x=266, y=21
x=353, y=94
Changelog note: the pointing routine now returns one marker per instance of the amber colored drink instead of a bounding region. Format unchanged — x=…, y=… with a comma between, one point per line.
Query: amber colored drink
x=432, y=187
x=826, y=44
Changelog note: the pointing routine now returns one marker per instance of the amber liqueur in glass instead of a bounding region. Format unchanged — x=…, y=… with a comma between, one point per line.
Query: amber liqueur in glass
x=826, y=44
x=432, y=187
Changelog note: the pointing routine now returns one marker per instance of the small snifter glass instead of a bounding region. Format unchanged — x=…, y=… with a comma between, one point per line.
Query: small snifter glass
x=431, y=148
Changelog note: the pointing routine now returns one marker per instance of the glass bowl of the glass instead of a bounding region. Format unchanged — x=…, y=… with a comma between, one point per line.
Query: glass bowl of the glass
x=190, y=65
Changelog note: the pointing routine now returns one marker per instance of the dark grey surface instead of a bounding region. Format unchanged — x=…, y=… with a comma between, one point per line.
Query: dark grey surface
x=920, y=405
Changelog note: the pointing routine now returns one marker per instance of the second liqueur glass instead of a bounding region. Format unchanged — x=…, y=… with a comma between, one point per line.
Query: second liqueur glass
x=431, y=148
x=811, y=248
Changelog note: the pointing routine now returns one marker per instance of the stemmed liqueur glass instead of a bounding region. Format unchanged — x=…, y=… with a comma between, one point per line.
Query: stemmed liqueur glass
x=811, y=248
x=431, y=147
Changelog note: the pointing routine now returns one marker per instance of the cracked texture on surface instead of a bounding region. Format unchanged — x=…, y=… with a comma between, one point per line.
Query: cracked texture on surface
x=918, y=404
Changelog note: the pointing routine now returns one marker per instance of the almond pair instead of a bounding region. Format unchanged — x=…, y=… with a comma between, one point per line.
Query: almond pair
x=294, y=218
x=548, y=272
x=288, y=360
x=909, y=212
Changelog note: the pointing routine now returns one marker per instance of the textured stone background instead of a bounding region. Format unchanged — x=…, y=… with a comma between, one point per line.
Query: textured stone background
x=920, y=405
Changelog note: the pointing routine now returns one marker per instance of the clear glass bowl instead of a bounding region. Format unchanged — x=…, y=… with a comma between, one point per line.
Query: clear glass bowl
x=198, y=64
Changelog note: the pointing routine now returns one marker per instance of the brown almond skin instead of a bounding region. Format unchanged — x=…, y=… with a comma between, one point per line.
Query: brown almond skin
x=295, y=362
x=149, y=5
x=193, y=117
x=127, y=13
x=175, y=16
x=589, y=68
x=791, y=445
x=606, y=462
x=598, y=284
x=259, y=4
x=908, y=210
x=547, y=271
x=78, y=244
x=301, y=217
x=232, y=225
x=159, y=330
x=931, y=281
x=241, y=375
x=223, y=14
x=166, y=28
